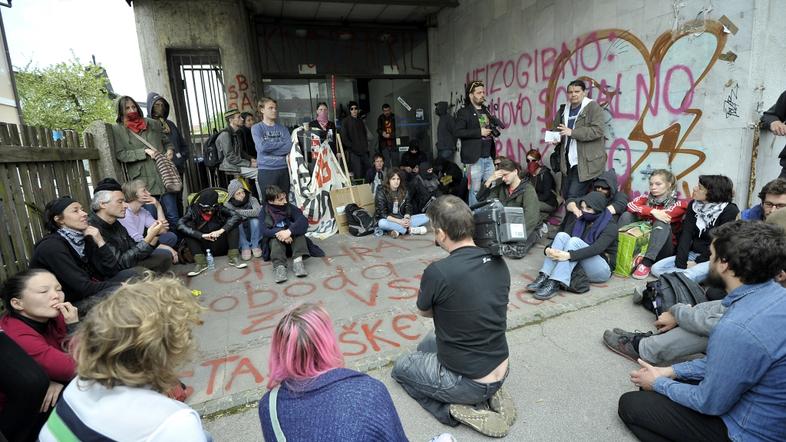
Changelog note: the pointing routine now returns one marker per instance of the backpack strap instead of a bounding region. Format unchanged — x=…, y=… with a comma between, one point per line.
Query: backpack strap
x=274, y=415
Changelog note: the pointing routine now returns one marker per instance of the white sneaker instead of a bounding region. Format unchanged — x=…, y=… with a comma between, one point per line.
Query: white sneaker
x=544, y=229
x=418, y=230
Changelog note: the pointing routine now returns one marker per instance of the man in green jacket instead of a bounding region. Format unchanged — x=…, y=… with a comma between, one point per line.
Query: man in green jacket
x=138, y=158
x=582, y=150
x=506, y=186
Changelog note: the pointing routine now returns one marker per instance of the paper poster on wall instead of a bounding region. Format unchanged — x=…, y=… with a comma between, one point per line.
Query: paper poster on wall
x=419, y=114
x=405, y=104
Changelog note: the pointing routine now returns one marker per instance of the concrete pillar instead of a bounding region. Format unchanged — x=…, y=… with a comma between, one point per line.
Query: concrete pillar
x=193, y=24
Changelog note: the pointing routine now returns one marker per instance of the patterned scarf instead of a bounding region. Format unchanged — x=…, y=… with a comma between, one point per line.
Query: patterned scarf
x=75, y=238
x=707, y=214
x=667, y=200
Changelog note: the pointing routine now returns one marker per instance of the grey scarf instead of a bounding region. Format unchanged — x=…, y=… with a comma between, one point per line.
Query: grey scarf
x=75, y=238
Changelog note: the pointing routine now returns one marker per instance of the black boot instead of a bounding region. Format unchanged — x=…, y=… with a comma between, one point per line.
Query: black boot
x=547, y=290
x=537, y=283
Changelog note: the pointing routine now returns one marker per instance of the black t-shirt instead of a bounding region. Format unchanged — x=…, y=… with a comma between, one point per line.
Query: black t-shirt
x=468, y=294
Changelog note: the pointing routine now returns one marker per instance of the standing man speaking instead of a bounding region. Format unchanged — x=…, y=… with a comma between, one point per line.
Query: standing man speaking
x=473, y=128
x=582, y=151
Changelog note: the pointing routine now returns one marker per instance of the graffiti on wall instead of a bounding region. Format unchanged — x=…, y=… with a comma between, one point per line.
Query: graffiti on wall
x=648, y=93
x=239, y=94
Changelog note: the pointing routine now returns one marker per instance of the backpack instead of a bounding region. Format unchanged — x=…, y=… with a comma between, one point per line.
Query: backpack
x=359, y=221
x=211, y=154
x=670, y=289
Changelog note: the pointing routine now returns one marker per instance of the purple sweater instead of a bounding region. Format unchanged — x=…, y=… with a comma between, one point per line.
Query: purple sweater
x=341, y=404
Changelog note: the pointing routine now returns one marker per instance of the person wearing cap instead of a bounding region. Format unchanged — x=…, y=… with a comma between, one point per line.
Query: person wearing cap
x=247, y=206
x=71, y=251
x=231, y=143
x=109, y=205
x=590, y=241
x=210, y=225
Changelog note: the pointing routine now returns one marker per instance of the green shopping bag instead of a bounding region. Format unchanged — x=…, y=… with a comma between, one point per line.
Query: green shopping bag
x=632, y=241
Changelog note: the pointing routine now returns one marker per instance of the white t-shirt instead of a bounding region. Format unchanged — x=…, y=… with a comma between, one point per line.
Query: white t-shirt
x=121, y=413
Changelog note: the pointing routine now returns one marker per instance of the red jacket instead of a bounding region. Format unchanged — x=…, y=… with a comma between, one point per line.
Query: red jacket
x=47, y=350
x=676, y=211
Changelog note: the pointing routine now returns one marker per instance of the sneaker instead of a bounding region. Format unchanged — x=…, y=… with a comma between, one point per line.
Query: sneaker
x=642, y=272
x=418, y=230
x=280, y=274
x=632, y=334
x=544, y=229
x=538, y=282
x=502, y=403
x=257, y=252
x=548, y=290
x=199, y=267
x=245, y=254
x=485, y=422
x=299, y=268
x=234, y=261
x=393, y=233
x=622, y=343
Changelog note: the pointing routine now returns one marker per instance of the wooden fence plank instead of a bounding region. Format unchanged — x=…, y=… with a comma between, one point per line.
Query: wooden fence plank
x=11, y=257
x=44, y=154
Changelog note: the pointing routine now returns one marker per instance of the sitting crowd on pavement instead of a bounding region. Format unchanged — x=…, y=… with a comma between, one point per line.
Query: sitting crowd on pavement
x=81, y=334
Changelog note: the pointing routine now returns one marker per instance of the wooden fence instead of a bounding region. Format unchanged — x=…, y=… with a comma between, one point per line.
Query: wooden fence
x=35, y=169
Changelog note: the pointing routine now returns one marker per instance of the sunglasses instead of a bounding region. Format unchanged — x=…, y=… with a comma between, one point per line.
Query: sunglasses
x=531, y=160
x=206, y=207
x=353, y=108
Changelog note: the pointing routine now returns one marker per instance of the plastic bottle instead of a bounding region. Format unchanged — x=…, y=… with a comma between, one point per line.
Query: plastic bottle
x=211, y=263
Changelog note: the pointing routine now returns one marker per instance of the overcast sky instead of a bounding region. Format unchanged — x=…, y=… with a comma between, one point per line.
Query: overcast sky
x=45, y=32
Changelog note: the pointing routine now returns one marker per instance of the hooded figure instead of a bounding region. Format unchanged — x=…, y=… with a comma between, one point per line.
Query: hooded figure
x=606, y=183
x=169, y=128
x=425, y=187
x=413, y=157
x=446, y=141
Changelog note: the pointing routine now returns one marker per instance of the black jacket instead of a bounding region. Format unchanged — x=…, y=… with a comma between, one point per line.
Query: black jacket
x=175, y=137
x=545, y=187
x=466, y=127
x=296, y=222
x=604, y=246
x=450, y=178
x=383, y=204
x=422, y=191
x=192, y=224
x=125, y=252
x=353, y=135
x=323, y=134
x=390, y=143
x=776, y=113
x=617, y=199
x=691, y=241
x=78, y=276
x=446, y=140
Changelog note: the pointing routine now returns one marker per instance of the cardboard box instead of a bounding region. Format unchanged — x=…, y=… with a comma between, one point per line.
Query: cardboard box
x=341, y=197
x=633, y=240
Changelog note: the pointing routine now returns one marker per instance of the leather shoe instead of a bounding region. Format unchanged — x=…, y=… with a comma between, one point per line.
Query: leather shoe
x=537, y=283
x=548, y=290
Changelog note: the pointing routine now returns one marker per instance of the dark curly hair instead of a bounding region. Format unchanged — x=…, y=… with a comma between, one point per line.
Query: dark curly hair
x=774, y=187
x=719, y=188
x=755, y=251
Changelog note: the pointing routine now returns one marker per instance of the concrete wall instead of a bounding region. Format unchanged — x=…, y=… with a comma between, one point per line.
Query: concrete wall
x=193, y=24
x=683, y=86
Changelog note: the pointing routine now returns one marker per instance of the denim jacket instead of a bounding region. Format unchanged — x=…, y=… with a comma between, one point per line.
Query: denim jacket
x=743, y=376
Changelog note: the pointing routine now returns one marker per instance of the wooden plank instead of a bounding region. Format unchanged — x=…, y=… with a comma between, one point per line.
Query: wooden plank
x=45, y=154
x=22, y=220
x=10, y=256
x=74, y=170
x=13, y=131
x=32, y=197
x=95, y=171
x=5, y=137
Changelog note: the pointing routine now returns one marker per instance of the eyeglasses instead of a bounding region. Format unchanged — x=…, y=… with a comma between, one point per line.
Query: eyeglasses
x=770, y=205
x=353, y=108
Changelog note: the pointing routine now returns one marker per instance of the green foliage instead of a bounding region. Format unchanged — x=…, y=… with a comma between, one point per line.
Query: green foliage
x=66, y=95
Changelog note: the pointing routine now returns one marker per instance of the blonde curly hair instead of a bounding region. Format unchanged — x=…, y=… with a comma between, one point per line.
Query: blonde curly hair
x=139, y=336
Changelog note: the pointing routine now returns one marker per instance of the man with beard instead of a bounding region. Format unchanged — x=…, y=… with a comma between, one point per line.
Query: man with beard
x=736, y=392
x=472, y=126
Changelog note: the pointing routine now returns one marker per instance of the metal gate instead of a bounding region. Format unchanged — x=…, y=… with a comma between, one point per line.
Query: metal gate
x=199, y=98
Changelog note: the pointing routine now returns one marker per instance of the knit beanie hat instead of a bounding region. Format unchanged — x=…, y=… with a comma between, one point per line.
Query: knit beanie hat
x=109, y=184
x=233, y=187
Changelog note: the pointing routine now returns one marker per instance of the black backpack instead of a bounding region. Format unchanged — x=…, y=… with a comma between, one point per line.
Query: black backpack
x=359, y=221
x=211, y=154
x=670, y=289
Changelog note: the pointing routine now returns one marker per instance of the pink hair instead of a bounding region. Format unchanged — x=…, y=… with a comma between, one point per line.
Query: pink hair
x=304, y=346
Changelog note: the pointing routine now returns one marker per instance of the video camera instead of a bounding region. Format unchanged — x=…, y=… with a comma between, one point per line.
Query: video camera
x=496, y=225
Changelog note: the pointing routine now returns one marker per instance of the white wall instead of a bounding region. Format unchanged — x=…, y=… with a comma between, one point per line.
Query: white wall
x=701, y=115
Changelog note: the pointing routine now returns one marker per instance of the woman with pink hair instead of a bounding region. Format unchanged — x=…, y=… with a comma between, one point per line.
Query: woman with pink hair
x=312, y=396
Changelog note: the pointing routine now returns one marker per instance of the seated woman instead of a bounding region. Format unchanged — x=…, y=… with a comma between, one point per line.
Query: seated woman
x=664, y=210
x=23, y=387
x=590, y=241
x=308, y=379
x=73, y=252
x=540, y=177
x=208, y=225
x=506, y=186
x=284, y=229
x=711, y=207
x=376, y=173
x=36, y=319
x=126, y=360
x=247, y=206
x=137, y=220
x=393, y=208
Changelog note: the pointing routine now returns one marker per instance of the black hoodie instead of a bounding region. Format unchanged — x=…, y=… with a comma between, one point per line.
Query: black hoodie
x=445, y=138
x=180, y=146
x=618, y=200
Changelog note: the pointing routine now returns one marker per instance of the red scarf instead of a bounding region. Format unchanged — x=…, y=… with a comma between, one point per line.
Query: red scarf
x=206, y=216
x=134, y=122
x=532, y=168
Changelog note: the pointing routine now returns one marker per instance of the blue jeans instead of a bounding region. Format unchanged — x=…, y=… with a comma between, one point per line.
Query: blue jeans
x=434, y=386
x=251, y=224
x=416, y=221
x=477, y=174
x=169, y=204
x=597, y=268
x=168, y=238
x=697, y=273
